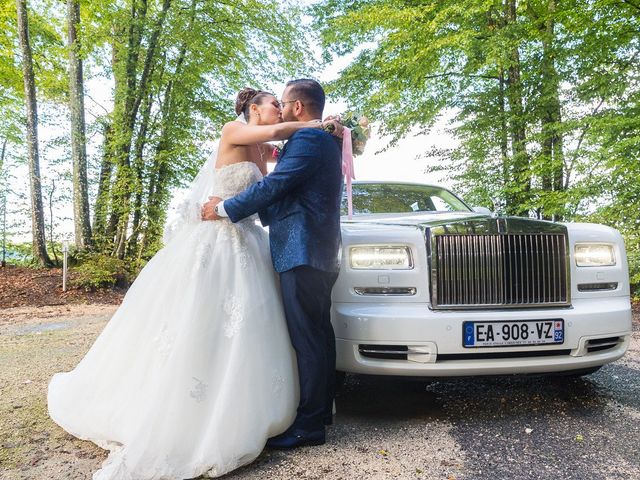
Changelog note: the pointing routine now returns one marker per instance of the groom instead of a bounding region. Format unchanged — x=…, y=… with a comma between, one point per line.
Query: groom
x=300, y=202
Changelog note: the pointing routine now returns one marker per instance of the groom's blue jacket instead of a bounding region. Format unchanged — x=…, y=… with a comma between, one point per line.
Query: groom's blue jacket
x=300, y=202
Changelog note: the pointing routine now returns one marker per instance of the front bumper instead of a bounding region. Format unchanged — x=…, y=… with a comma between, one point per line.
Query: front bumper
x=433, y=339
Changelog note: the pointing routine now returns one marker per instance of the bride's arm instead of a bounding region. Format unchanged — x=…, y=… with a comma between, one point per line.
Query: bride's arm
x=237, y=133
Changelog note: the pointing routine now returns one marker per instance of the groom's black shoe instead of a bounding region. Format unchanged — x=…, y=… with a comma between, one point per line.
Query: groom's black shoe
x=328, y=420
x=296, y=438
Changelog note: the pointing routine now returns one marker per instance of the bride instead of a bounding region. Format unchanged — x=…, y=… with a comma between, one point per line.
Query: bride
x=194, y=371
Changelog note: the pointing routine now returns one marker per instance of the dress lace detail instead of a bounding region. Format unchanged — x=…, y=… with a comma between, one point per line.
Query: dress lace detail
x=233, y=309
x=203, y=256
x=162, y=342
x=198, y=348
x=230, y=180
x=234, y=178
x=199, y=392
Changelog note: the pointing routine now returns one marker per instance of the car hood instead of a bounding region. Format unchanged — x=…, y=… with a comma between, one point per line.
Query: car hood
x=415, y=219
x=454, y=222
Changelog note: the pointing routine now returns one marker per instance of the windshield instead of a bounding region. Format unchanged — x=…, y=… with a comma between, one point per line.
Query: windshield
x=402, y=198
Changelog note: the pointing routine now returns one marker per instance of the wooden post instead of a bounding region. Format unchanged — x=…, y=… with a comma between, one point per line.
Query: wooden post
x=65, y=250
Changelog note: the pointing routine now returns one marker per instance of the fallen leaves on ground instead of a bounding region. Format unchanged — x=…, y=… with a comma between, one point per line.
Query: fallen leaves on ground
x=37, y=287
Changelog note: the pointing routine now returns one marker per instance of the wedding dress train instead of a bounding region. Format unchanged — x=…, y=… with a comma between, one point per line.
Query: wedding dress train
x=195, y=370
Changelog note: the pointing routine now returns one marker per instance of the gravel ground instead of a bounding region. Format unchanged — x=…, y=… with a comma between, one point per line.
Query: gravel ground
x=471, y=428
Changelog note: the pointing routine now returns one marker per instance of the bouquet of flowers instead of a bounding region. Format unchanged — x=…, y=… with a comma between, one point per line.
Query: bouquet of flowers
x=359, y=126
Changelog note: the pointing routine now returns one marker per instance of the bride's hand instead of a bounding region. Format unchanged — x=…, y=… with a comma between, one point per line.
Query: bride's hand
x=333, y=126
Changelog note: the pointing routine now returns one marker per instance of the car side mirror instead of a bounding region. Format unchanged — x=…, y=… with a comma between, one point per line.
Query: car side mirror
x=482, y=210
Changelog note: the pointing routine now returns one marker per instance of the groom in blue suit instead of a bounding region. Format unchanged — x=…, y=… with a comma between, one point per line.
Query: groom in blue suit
x=300, y=202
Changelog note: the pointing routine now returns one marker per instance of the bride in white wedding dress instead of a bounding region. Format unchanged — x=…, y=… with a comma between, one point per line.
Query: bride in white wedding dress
x=194, y=371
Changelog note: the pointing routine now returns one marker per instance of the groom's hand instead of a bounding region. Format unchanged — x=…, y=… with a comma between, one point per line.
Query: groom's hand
x=208, y=211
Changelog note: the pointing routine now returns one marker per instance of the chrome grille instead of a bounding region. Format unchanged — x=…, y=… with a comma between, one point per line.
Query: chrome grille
x=506, y=270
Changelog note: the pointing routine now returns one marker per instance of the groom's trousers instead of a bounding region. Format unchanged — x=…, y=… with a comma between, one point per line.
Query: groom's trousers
x=306, y=294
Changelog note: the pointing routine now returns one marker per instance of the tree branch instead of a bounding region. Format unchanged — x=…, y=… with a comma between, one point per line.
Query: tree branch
x=574, y=158
x=459, y=74
x=630, y=3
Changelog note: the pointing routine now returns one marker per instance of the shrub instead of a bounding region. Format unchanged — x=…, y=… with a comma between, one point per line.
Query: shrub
x=97, y=270
x=19, y=254
x=633, y=255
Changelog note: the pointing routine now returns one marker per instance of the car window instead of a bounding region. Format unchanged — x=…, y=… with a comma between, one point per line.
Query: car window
x=402, y=198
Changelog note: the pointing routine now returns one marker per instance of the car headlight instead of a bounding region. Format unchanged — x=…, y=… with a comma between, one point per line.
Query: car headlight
x=381, y=257
x=594, y=255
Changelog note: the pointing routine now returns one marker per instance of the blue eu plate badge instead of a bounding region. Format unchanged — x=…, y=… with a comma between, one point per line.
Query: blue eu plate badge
x=468, y=334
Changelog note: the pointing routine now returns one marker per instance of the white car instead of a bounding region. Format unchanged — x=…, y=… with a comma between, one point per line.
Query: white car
x=430, y=287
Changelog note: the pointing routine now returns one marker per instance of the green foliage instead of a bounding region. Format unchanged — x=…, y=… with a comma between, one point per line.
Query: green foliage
x=19, y=254
x=528, y=86
x=173, y=67
x=634, y=266
x=46, y=19
x=96, y=270
x=545, y=93
x=177, y=66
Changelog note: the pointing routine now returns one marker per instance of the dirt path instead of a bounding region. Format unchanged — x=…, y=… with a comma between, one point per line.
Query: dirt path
x=35, y=343
x=478, y=428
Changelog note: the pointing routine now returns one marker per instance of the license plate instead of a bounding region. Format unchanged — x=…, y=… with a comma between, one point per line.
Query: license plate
x=502, y=334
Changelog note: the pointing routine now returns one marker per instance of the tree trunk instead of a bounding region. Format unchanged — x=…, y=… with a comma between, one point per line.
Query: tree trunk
x=551, y=118
x=3, y=199
x=37, y=210
x=158, y=194
x=104, y=186
x=138, y=165
x=3, y=153
x=158, y=191
x=504, y=132
x=3, y=262
x=125, y=52
x=81, y=213
x=50, y=202
x=125, y=180
x=518, y=202
x=496, y=20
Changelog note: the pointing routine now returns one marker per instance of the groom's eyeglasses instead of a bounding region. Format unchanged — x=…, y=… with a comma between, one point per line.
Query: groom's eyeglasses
x=282, y=103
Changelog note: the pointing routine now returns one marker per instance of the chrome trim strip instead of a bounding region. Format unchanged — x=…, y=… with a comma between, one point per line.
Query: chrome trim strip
x=388, y=352
x=385, y=291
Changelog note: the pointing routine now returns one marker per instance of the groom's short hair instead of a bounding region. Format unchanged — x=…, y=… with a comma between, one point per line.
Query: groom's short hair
x=310, y=93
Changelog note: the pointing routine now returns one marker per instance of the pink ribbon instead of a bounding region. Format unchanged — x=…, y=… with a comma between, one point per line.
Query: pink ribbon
x=347, y=167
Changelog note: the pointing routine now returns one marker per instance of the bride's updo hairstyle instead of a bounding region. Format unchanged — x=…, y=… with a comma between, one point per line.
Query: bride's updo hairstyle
x=247, y=97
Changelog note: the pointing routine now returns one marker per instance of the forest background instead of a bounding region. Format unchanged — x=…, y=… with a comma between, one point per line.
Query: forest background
x=542, y=98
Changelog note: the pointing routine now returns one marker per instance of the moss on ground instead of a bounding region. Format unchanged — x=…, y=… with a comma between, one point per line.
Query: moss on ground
x=32, y=445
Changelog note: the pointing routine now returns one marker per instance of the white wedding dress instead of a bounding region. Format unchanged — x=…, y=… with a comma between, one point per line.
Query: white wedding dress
x=195, y=370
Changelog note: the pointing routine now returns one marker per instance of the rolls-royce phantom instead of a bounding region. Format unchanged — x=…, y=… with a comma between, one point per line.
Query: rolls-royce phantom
x=431, y=287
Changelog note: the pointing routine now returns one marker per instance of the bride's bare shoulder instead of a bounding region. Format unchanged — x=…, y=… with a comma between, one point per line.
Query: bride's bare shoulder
x=232, y=125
